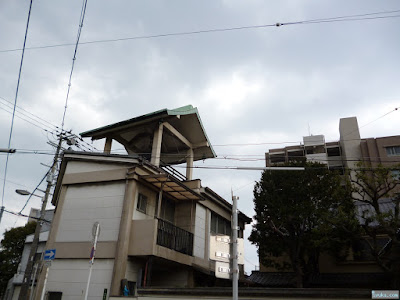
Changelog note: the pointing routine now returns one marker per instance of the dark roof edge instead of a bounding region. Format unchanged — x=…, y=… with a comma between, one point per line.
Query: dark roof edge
x=93, y=132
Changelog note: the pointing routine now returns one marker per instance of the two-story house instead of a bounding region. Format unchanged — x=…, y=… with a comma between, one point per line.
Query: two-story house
x=155, y=223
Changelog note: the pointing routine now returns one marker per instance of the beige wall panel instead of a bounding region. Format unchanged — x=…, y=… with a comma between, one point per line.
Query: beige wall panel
x=86, y=204
x=70, y=276
x=80, y=166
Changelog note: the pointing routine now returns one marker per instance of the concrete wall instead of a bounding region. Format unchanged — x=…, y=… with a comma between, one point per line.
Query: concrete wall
x=70, y=277
x=350, y=141
x=85, y=205
x=132, y=269
x=151, y=203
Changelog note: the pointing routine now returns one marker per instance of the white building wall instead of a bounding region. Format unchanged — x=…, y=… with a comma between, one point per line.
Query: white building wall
x=79, y=167
x=200, y=232
x=70, y=276
x=85, y=205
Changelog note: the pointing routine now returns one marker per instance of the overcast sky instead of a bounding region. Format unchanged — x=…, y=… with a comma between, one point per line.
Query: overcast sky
x=263, y=86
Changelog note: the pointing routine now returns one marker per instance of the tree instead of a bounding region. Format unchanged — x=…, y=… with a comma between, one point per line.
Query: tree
x=11, y=252
x=379, y=188
x=300, y=214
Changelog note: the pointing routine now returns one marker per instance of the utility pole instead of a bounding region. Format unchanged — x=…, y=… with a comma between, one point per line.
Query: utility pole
x=234, y=255
x=23, y=295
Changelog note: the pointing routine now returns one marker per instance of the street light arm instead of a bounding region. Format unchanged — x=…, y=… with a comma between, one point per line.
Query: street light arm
x=6, y=150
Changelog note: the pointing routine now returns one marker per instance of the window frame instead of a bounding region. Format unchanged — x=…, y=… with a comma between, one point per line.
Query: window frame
x=392, y=150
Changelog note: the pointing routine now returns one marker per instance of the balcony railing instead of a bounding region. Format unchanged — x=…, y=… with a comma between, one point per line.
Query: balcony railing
x=174, y=238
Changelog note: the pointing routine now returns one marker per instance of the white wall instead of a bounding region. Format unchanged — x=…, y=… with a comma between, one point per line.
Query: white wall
x=85, y=205
x=200, y=231
x=70, y=276
x=80, y=166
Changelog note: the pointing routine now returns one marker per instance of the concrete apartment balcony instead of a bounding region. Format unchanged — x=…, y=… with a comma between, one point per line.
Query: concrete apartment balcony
x=160, y=238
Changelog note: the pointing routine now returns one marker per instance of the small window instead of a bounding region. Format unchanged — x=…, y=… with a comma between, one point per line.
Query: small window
x=141, y=203
x=393, y=151
x=220, y=225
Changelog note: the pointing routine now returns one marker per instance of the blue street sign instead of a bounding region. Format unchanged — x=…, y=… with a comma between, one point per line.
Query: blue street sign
x=49, y=254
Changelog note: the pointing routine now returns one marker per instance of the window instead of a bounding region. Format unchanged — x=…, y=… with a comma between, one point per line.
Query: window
x=362, y=250
x=333, y=151
x=395, y=174
x=393, y=151
x=220, y=225
x=141, y=203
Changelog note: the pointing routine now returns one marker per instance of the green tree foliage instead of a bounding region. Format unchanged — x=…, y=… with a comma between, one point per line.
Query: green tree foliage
x=300, y=214
x=374, y=186
x=11, y=252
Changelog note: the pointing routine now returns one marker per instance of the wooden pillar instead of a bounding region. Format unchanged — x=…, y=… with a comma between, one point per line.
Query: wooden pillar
x=189, y=164
x=121, y=253
x=156, y=148
x=107, y=145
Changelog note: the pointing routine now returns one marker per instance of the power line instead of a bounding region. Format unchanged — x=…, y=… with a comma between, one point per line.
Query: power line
x=34, y=190
x=26, y=216
x=42, y=122
x=252, y=168
x=32, y=116
x=82, y=17
x=357, y=17
x=15, y=103
x=26, y=120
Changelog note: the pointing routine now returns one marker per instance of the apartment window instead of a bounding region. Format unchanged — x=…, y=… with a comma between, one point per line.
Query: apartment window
x=334, y=151
x=220, y=225
x=141, y=203
x=393, y=151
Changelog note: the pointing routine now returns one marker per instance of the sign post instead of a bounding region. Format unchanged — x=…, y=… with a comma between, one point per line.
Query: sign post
x=48, y=256
x=95, y=233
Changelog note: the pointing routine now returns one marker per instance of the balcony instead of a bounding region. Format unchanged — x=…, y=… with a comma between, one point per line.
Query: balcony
x=175, y=238
x=162, y=239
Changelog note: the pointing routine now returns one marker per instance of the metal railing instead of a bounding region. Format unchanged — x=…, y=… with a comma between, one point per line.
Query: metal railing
x=174, y=238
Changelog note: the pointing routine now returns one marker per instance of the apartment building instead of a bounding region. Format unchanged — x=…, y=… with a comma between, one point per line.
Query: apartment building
x=344, y=153
x=156, y=224
x=360, y=269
